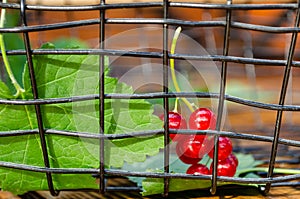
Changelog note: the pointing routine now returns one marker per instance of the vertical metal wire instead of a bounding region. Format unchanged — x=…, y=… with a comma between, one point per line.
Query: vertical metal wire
x=35, y=96
x=101, y=98
x=165, y=99
x=289, y=98
x=221, y=99
x=283, y=92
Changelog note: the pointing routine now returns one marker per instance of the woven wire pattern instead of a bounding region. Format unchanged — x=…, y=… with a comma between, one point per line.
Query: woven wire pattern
x=224, y=59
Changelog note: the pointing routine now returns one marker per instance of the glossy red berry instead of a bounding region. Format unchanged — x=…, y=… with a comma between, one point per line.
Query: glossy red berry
x=224, y=150
x=188, y=160
x=198, y=169
x=233, y=159
x=176, y=121
x=191, y=149
x=226, y=167
x=202, y=119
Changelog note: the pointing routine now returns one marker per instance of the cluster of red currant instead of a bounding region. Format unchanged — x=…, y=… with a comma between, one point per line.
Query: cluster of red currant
x=192, y=148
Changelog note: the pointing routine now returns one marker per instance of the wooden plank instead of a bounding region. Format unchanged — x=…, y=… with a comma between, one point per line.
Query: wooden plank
x=233, y=193
x=7, y=195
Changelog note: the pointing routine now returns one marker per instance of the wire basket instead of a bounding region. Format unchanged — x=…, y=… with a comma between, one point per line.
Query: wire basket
x=247, y=41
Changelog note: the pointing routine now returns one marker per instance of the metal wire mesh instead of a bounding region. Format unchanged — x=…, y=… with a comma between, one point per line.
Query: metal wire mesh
x=224, y=58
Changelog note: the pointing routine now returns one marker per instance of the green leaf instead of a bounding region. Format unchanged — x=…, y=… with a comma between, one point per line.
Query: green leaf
x=5, y=92
x=67, y=42
x=156, y=186
x=246, y=161
x=60, y=76
x=152, y=186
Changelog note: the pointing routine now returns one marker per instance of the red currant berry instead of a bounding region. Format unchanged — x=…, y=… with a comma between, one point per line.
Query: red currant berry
x=191, y=148
x=225, y=168
x=198, y=169
x=176, y=121
x=188, y=160
x=233, y=159
x=225, y=149
x=202, y=119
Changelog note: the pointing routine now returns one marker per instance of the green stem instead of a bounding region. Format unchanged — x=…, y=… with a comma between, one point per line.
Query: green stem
x=172, y=65
x=176, y=105
x=19, y=89
x=276, y=170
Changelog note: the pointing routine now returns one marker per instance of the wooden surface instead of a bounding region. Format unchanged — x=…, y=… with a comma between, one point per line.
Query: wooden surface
x=244, y=193
x=276, y=193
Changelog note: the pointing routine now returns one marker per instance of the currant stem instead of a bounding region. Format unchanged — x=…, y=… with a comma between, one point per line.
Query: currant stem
x=176, y=105
x=172, y=65
x=19, y=89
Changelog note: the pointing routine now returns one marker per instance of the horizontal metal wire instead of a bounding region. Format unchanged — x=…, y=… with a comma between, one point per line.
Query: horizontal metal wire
x=124, y=188
x=155, y=95
x=285, y=6
x=147, y=133
x=270, y=139
x=126, y=53
x=84, y=7
x=125, y=173
x=208, y=177
x=48, y=170
x=280, y=184
x=153, y=21
x=246, y=6
x=48, y=101
x=55, y=26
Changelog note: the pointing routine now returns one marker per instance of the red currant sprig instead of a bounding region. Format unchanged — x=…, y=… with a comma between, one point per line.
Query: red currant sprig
x=191, y=149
